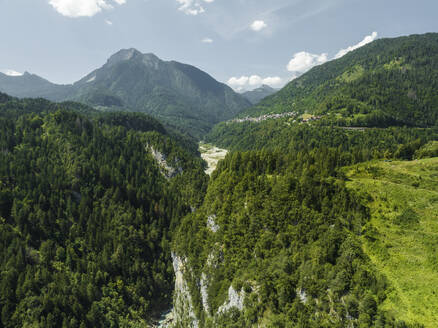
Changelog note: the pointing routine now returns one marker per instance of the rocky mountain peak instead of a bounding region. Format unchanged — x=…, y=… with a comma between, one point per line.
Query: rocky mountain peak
x=149, y=59
x=123, y=55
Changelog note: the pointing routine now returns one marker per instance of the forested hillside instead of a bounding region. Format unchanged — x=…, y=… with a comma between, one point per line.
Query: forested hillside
x=282, y=231
x=304, y=239
x=284, y=227
x=283, y=134
x=388, y=82
x=87, y=209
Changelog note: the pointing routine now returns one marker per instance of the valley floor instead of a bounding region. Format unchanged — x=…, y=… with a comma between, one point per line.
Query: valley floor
x=212, y=155
x=402, y=237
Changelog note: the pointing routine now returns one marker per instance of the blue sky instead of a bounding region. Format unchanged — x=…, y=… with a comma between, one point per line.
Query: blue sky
x=242, y=42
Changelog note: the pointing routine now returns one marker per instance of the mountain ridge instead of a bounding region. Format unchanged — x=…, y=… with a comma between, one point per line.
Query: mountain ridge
x=257, y=94
x=177, y=93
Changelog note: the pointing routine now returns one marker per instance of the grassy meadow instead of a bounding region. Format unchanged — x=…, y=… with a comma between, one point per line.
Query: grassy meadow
x=402, y=237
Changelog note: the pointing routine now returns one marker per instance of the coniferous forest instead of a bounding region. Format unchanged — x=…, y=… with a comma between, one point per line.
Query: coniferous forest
x=87, y=215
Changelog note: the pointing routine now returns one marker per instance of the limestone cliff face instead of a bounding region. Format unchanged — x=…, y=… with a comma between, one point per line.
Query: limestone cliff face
x=183, y=310
x=183, y=313
x=235, y=300
x=192, y=308
x=166, y=169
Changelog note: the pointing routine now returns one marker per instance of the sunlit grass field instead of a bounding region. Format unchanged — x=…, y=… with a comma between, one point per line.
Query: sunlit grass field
x=402, y=237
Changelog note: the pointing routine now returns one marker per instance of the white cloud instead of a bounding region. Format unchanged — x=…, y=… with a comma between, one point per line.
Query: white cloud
x=299, y=64
x=254, y=81
x=11, y=72
x=273, y=81
x=303, y=61
x=192, y=7
x=83, y=8
x=108, y=22
x=238, y=82
x=207, y=40
x=258, y=25
x=365, y=41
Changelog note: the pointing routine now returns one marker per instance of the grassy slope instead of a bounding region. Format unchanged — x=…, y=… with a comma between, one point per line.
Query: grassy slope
x=406, y=253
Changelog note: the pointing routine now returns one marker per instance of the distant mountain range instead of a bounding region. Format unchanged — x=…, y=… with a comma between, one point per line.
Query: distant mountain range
x=32, y=86
x=254, y=96
x=178, y=94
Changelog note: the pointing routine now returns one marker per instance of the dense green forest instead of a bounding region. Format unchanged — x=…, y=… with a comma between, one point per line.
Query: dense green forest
x=289, y=231
x=387, y=82
x=358, y=144
x=86, y=215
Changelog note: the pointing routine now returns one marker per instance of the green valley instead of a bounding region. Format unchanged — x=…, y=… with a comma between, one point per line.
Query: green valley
x=164, y=199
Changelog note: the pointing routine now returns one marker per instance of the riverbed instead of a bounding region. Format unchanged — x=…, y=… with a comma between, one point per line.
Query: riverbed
x=212, y=155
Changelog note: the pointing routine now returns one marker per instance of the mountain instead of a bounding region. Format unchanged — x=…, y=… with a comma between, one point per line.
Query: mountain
x=32, y=86
x=387, y=82
x=254, y=96
x=178, y=94
x=295, y=226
